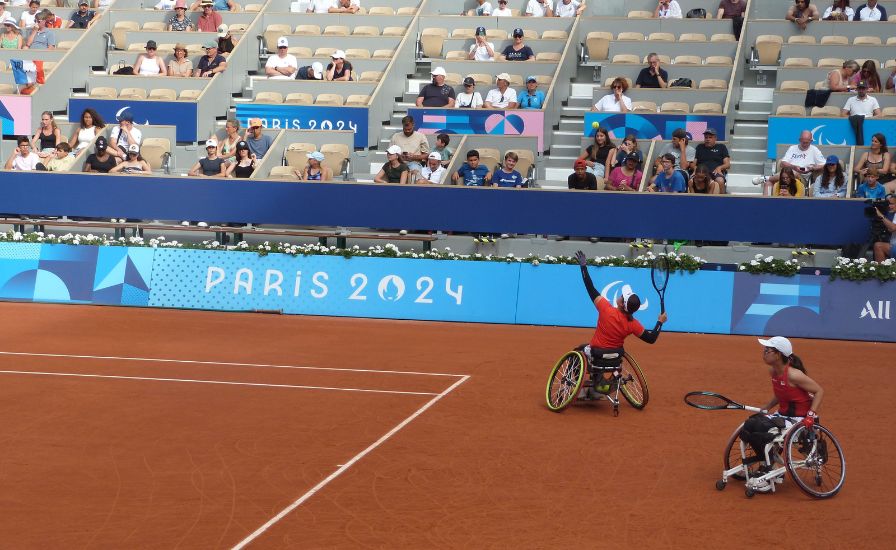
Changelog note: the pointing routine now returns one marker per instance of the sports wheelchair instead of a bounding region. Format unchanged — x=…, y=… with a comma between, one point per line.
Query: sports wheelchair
x=812, y=457
x=610, y=372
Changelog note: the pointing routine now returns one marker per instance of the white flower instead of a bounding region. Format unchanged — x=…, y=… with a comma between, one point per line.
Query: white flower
x=535, y=262
x=754, y=262
x=758, y=256
x=743, y=268
x=768, y=259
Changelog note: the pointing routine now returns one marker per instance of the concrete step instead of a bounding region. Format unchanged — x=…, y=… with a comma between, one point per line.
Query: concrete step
x=750, y=129
x=567, y=138
x=748, y=155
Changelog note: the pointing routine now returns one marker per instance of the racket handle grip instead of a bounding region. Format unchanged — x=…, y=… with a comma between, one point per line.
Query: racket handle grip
x=754, y=409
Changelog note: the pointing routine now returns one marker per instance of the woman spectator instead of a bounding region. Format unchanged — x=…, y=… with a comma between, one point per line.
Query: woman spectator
x=212, y=165
x=86, y=130
x=616, y=102
x=838, y=79
x=839, y=11
x=314, y=170
x=868, y=73
x=339, y=69
x=133, y=163
x=47, y=136
x=227, y=148
x=180, y=66
x=876, y=157
x=393, y=170
x=625, y=177
x=179, y=21
x=702, y=182
x=788, y=184
x=11, y=38
x=244, y=163
x=149, y=64
x=100, y=161
x=832, y=182
x=628, y=147
x=597, y=155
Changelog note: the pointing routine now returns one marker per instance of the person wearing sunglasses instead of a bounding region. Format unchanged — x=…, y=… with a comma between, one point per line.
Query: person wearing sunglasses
x=502, y=10
x=502, y=97
x=617, y=101
x=531, y=97
x=150, y=64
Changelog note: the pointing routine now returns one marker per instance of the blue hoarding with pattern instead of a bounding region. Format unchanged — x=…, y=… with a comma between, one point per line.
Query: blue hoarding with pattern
x=650, y=126
x=515, y=122
x=825, y=131
x=307, y=117
x=181, y=114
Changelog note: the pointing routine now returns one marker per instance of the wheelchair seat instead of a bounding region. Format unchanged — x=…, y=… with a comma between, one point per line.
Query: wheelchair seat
x=606, y=358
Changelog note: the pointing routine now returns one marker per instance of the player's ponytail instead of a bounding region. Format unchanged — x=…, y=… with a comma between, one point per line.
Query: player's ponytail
x=797, y=363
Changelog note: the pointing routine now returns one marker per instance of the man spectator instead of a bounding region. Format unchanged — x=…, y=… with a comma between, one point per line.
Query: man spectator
x=315, y=71
x=413, y=144
x=531, y=97
x=471, y=173
x=284, y=65
x=258, y=142
x=861, y=103
x=53, y=20
x=734, y=10
x=484, y=8
x=568, y=8
x=668, y=9
x=653, y=75
x=518, y=51
x=581, y=178
x=539, y=8
x=436, y=93
x=883, y=249
x=339, y=68
x=124, y=135
x=212, y=62
x=891, y=80
x=871, y=11
x=210, y=20
x=320, y=6
x=502, y=97
x=803, y=158
x=42, y=38
x=503, y=10
x=345, y=6
x=481, y=49
x=680, y=149
x=668, y=180
x=60, y=161
x=219, y=5
x=433, y=172
x=714, y=156
x=23, y=158
x=82, y=18
x=802, y=13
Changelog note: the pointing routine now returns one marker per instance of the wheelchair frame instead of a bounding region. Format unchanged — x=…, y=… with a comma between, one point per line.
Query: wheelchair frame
x=571, y=380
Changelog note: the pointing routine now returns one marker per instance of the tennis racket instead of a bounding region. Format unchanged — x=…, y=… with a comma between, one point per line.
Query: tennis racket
x=711, y=401
x=659, y=273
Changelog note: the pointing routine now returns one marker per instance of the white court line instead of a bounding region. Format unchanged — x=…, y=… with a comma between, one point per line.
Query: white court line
x=211, y=382
x=283, y=513
x=226, y=364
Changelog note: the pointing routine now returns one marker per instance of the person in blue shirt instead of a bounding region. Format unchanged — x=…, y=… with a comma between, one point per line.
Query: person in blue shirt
x=471, y=172
x=531, y=97
x=669, y=180
x=870, y=188
x=506, y=176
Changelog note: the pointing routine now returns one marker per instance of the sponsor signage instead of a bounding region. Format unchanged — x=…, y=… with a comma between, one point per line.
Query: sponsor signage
x=15, y=115
x=181, y=114
x=516, y=122
x=307, y=117
x=650, y=126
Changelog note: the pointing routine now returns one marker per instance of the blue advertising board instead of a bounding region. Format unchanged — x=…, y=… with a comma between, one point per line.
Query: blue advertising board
x=825, y=131
x=516, y=122
x=307, y=117
x=181, y=114
x=652, y=126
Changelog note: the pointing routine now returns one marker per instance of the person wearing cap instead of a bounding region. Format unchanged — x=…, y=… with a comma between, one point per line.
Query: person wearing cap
x=11, y=38
x=539, y=8
x=581, y=178
x=393, y=170
x=320, y=6
x=23, y=158
x=284, y=65
x=219, y=5
x=124, y=135
x=82, y=18
x=212, y=62
x=100, y=161
x=506, y=174
x=258, y=141
x=668, y=180
x=132, y=163
x=28, y=19
x=180, y=65
x=481, y=49
x=436, y=93
x=315, y=170
x=244, y=163
x=86, y=130
x=210, y=20
x=518, y=51
x=502, y=97
x=681, y=150
x=315, y=71
x=626, y=176
x=471, y=173
x=179, y=21
x=531, y=97
x=502, y=10
x=570, y=8
x=150, y=64
x=433, y=172
x=653, y=75
x=339, y=68
x=484, y=8
x=225, y=39
x=469, y=98
x=872, y=11
x=413, y=144
x=715, y=157
x=832, y=181
x=861, y=104
x=42, y=38
x=617, y=101
x=212, y=165
x=345, y=6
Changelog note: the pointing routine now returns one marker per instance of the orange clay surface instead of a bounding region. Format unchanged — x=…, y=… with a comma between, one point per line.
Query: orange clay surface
x=129, y=462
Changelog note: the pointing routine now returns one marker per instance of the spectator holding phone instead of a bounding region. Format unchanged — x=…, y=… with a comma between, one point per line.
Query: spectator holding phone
x=667, y=9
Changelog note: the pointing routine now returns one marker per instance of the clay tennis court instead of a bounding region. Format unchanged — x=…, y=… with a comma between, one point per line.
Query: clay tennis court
x=188, y=429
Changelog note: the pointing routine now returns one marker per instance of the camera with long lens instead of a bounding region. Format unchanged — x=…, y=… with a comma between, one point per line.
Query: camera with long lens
x=879, y=231
x=880, y=205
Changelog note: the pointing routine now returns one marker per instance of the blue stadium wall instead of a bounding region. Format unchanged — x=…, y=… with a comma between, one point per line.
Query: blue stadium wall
x=467, y=291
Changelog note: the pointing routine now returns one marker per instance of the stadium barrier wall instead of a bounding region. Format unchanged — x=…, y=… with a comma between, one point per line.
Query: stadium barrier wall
x=307, y=117
x=650, y=126
x=180, y=114
x=516, y=122
x=721, y=302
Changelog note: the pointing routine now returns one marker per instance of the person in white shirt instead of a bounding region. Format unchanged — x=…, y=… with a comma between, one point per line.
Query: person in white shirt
x=321, y=6
x=617, y=102
x=433, y=172
x=481, y=49
x=484, y=8
x=502, y=97
x=284, y=65
x=23, y=158
x=870, y=12
x=861, y=103
x=503, y=10
x=568, y=8
x=346, y=6
x=668, y=9
x=469, y=98
x=28, y=19
x=803, y=158
x=539, y=8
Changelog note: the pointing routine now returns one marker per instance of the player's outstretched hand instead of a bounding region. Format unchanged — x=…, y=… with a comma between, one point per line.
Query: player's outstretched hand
x=662, y=318
x=580, y=257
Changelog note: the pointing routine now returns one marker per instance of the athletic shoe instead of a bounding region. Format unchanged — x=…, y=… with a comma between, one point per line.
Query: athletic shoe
x=760, y=180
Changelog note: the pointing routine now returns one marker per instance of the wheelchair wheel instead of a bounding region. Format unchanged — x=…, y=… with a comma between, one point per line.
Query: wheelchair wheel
x=565, y=380
x=634, y=385
x=732, y=456
x=814, y=460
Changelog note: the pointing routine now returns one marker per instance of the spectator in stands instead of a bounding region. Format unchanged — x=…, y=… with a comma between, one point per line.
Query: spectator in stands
x=11, y=38
x=653, y=75
x=669, y=179
x=481, y=49
x=60, y=161
x=320, y=6
x=133, y=163
x=102, y=4
x=225, y=5
x=212, y=165
x=42, y=38
x=616, y=102
x=164, y=5
x=804, y=159
x=471, y=173
x=734, y=10
x=259, y=143
x=838, y=79
x=339, y=69
x=82, y=18
x=629, y=146
x=212, y=62
x=502, y=10
x=625, y=177
x=225, y=39
x=315, y=71
x=802, y=13
x=413, y=144
x=393, y=170
x=86, y=130
x=518, y=51
x=839, y=11
x=568, y=8
x=345, y=6
x=210, y=20
x=876, y=157
x=124, y=135
x=436, y=93
x=53, y=20
x=180, y=66
x=244, y=163
x=870, y=11
x=788, y=185
x=891, y=80
x=433, y=172
x=539, y=8
x=502, y=97
x=284, y=65
x=883, y=249
x=581, y=178
x=505, y=175
x=668, y=9
x=227, y=146
x=702, y=183
x=832, y=182
x=861, y=103
x=868, y=73
x=47, y=136
x=715, y=156
x=871, y=187
x=314, y=170
x=484, y=8
x=23, y=158
x=179, y=21
x=469, y=98
x=531, y=97
x=599, y=156
x=28, y=20
x=442, y=141
x=681, y=151
x=100, y=161
x=150, y=64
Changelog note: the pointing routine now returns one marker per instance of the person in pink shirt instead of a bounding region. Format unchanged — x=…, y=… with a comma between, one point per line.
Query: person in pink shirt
x=210, y=20
x=625, y=177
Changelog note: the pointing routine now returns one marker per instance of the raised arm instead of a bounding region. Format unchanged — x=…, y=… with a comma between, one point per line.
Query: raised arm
x=586, y=278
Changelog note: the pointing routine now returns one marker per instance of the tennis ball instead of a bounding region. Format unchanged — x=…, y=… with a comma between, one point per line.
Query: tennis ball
x=595, y=124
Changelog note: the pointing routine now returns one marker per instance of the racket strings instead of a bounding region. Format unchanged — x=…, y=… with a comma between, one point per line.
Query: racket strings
x=707, y=401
